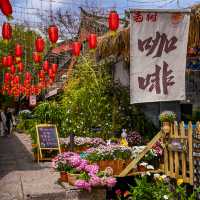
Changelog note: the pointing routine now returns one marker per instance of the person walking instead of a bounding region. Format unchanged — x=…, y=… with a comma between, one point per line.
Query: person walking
x=9, y=121
x=3, y=127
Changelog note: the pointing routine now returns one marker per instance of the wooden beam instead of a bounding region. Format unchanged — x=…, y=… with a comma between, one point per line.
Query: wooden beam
x=141, y=155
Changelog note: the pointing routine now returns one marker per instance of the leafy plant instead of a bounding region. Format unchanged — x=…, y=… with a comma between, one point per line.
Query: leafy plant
x=167, y=116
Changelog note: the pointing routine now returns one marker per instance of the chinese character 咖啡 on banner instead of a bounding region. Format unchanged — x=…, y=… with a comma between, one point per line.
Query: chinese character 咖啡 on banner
x=158, y=56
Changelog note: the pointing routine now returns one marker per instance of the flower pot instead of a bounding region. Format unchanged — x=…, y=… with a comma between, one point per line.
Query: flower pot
x=166, y=127
x=72, y=178
x=63, y=176
x=116, y=165
x=141, y=168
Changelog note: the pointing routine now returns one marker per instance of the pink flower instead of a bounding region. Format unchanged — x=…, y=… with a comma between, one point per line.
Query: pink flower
x=118, y=192
x=92, y=169
x=82, y=165
x=95, y=181
x=74, y=161
x=110, y=181
x=82, y=184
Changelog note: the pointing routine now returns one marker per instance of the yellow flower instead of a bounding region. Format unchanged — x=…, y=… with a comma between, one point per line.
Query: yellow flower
x=179, y=181
x=124, y=142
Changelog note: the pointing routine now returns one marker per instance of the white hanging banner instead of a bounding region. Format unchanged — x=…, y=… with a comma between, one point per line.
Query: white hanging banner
x=158, y=52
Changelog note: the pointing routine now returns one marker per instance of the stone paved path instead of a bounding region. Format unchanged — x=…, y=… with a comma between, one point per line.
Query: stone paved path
x=23, y=179
x=20, y=177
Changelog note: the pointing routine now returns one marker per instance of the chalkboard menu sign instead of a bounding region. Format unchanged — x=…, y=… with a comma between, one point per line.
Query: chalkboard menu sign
x=47, y=136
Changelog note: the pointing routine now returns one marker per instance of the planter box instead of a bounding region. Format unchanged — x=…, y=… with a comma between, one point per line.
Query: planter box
x=64, y=176
x=116, y=165
x=72, y=178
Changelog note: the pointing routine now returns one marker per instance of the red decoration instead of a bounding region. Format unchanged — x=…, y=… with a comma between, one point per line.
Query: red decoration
x=12, y=69
x=20, y=67
x=4, y=61
x=51, y=74
x=18, y=50
x=28, y=76
x=46, y=65
x=36, y=57
x=113, y=21
x=54, y=67
x=92, y=41
x=53, y=33
x=9, y=60
x=6, y=8
x=6, y=31
x=76, y=48
x=39, y=44
x=41, y=74
x=27, y=82
x=16, y=79
x=7, y=77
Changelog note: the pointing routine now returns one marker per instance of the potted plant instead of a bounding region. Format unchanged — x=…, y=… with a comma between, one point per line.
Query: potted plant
x=167, y=118
x=62, y=164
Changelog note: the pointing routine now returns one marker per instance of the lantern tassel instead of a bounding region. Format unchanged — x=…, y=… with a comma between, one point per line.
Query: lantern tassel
x=9, y=17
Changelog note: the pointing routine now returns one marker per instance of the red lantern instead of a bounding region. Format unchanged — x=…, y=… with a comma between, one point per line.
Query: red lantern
x=53, y=33
x=28, y=76
x=32, y=89
x=92, y=41
x=27, y=82
x=20, y=67
x=39, y=44
x=113, y=21
x=9, y=60
x=46, y=65
x=7, y=77
x=4, y=61
x=51, y=74
x=12, y=69
x=6, y=8
x=36, y=57
x=16, y=79
x=22, y=89
x=6, y=31
x=41, y=74
x=54, y=67
x=76, y=48
x=18, y=50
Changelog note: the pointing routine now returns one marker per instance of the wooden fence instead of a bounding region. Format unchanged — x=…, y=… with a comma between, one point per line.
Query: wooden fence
x=178, y=153
x=178, y=161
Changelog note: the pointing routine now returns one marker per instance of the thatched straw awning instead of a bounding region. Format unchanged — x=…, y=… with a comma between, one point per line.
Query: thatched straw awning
x=119, y=43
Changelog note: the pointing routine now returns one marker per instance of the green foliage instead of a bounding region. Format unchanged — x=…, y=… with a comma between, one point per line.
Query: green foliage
x=91, y=100
x=167, y=116
x=148, y=189
x=86, y=102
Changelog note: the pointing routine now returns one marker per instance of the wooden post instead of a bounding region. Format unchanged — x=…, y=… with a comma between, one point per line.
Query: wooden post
x=183, y=156
x=190, y=131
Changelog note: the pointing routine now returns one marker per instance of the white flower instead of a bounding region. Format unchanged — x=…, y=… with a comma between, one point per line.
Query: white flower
x=148, y=174
x=144, y=164
x=150, y=167
x=156, y=176
x=164, y=177
x=165, y=197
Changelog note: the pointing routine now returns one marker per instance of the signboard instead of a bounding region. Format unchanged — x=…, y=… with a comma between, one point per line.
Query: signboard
x=51, y=93
x=158, y=48
x=32, y=100
x=47, y=137
x=177, y=145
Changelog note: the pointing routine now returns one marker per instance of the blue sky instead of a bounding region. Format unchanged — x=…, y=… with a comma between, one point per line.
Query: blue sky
x=28, y=9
